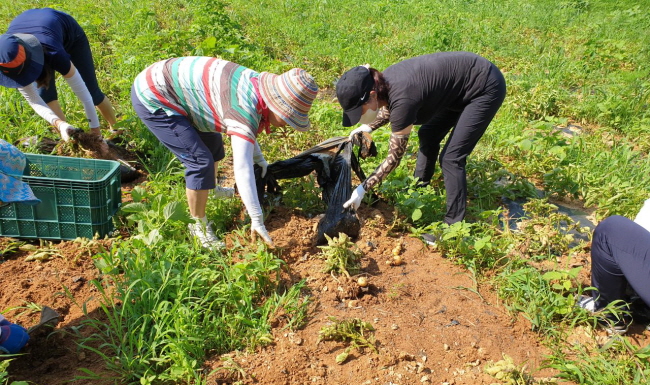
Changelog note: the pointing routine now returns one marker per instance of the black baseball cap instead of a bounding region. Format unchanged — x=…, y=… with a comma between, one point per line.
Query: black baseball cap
x=21, y=59
x=353, y=91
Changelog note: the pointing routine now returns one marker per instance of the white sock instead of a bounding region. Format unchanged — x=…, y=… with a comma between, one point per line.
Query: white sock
x=203, y=220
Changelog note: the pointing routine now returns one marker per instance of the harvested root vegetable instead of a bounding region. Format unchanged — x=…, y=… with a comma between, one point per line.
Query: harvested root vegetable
x=397, y=250
x=362, y=281
x=94, y=144
x=395, y=261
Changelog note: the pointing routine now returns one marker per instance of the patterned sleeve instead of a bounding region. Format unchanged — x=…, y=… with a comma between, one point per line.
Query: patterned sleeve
x=396, y=150
x=383, y=116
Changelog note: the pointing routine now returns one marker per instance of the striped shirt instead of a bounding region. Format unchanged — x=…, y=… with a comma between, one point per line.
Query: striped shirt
x=214, y=94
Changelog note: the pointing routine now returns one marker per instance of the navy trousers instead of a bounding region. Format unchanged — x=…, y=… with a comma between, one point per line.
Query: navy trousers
x=196, y=150
x=78, y=48
x=469, y=126
x=620, y=255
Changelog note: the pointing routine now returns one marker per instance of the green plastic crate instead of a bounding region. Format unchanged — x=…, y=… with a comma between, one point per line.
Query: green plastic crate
x=78, y=199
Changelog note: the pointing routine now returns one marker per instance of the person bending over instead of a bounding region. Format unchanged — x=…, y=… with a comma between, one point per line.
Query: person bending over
x=446, y=91
x=39, y=43
x=187, y=102
x=620, y=256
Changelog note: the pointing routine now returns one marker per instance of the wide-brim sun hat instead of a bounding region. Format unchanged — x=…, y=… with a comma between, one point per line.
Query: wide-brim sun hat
x=289, y=95
x=21, y=59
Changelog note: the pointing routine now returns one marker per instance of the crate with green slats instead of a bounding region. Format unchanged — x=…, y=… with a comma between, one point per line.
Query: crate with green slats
x=78, y=199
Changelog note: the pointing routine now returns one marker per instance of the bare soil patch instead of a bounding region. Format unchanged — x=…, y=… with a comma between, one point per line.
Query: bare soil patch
x=433, y=324
x=62, y=283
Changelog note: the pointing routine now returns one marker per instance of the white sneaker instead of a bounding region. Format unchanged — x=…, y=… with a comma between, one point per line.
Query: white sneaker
x=221, y=192
x=205, y=235
x=587, y=302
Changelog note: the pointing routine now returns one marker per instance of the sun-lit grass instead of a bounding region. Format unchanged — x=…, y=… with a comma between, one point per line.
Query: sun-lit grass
x=568, y=62
x=172, y=306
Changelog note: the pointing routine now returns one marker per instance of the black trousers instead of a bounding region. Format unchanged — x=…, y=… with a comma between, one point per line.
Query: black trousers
x=620, y=255
x=469, y=125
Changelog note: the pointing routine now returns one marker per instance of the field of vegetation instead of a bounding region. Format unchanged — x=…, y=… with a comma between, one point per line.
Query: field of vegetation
x=574, y=129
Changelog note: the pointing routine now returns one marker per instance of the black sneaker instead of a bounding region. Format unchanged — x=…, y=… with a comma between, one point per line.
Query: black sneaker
x=612, y=323
x=429, y=239
x=422, y=184
x=615, y=324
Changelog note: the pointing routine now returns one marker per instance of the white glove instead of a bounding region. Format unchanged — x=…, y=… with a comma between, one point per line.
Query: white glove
x=355, y=200
x=361, y=128
x=258, y=228
x=65, y=129
x=264, y=166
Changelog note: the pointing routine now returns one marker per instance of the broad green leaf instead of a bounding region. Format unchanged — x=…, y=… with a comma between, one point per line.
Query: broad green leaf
x=209, y=43
x=134, y=207
x=526, y=144
x=417, y=214
x=481, y=243
x=558, y=151
x=172, y=210
x=153, y=237
x=551, y=275
x=137, y=193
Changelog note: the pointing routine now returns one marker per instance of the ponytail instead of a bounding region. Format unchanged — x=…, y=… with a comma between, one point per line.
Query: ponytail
x=381, y=86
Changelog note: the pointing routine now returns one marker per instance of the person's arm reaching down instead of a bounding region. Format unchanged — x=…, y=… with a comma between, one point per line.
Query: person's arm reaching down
x=242, y=153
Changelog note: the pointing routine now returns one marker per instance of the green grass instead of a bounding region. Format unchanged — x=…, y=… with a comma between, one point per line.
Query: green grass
x=169, y=305
x=173, y=306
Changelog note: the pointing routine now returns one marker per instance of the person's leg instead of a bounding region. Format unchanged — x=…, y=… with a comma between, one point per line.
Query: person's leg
x=430, y=136
x=50, y=96
x=471, y=125
x=177, y=134
x=214, y=142
x=180, y=137
x=82, y=58
x=620, y=254
x=108, y=112
x=56, y=108
x=197, y=200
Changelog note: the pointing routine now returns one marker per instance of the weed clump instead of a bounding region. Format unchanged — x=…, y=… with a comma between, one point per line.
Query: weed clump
x=358, y=333
x=507, y=372
x=342, y=255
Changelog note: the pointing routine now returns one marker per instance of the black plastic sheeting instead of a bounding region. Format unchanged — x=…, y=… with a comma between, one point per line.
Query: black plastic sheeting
x=333, y=162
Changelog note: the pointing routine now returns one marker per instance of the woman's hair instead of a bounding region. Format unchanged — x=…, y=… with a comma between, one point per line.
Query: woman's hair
x=381, y=85
x=45, y=77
